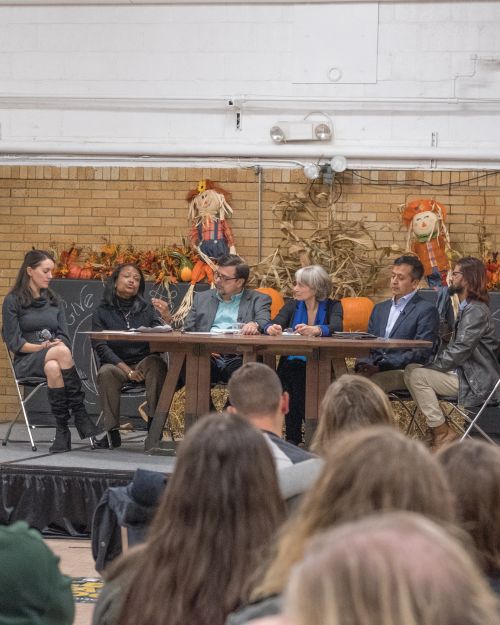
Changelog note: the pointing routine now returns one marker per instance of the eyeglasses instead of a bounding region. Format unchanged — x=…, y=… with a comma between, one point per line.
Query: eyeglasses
x=457, y=273
x=220, y=276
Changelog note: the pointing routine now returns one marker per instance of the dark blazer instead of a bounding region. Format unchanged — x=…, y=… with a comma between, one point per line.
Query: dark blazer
x=254, y=306
x=419, y=320
x=333, y=316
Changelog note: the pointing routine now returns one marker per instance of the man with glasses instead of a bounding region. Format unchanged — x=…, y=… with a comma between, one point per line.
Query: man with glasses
x=229, y=304
x=468, y=367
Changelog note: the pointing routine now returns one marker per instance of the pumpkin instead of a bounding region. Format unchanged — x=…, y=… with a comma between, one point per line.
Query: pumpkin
x=86, y=273
x=74, y=271
x=277, y=301
x=185, y=274
x=356, y=311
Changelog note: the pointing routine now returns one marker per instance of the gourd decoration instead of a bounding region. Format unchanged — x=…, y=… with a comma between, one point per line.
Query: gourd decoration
x=208, y=209
x=428, y=238
x=356, y=313
x=277, y=300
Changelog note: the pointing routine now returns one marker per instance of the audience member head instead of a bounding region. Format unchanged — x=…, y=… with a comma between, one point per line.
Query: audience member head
x=389, y=569
x=473, y=471
x=469, y=274
x=220, y=509
x=374, y=469
x=255, y=392
x=126, y=281
x=350, y=403
x=36, y=270
x=317, y=279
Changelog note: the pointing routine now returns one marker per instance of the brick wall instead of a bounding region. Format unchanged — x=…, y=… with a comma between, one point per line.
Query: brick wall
x=44, y=205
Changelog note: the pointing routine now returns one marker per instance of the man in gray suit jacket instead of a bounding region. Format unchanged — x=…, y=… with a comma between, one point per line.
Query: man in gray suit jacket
x=229, y=303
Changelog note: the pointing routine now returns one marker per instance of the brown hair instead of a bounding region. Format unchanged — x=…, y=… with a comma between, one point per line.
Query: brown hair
x=255, y=389
x=220, y=509
x=474, y=273
x=350, y=403
x=392, y=569
x=21, y=287
x=473, y=470
x=374, y=469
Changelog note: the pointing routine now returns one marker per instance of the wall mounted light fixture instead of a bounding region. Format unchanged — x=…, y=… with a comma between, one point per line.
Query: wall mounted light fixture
x=304, y=130
x=336, y=165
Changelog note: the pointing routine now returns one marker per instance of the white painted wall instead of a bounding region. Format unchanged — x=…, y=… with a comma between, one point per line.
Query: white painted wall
x=407, y=84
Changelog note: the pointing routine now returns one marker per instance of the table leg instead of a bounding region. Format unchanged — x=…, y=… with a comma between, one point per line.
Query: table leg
x=167, y=393
x=312, y=381
x=339, y=367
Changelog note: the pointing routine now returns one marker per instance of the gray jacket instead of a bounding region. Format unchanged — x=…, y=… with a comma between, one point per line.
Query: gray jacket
x=254, y=306
x=472, y=352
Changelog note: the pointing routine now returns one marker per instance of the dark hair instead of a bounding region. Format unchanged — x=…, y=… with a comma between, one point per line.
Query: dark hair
x=109, y=295
x=417, y=269
x=474, y=273
x=473, y=470
x=220, y=510
x=255, y=389
x=21, y=288
x=232, y=260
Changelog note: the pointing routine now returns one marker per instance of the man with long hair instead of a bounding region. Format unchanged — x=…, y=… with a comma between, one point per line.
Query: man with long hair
x=467, y=368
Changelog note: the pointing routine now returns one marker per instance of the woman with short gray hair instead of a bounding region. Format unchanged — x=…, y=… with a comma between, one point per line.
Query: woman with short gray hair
x=310, y=313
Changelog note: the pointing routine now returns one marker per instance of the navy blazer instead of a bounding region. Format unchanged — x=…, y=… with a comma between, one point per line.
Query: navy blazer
x=419, y=321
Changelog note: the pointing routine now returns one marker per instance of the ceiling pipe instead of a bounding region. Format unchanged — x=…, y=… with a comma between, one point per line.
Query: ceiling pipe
x=273, y=151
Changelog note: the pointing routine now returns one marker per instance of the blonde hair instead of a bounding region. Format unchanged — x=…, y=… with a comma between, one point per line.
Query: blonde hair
x=350, y=403
x=391, y=569
x=371, y=470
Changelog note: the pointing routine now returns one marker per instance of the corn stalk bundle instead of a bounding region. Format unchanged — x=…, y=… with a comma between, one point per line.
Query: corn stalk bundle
x=345, y=249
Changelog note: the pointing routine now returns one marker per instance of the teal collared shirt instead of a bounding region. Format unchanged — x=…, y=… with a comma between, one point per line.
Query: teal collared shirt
x=227, y=312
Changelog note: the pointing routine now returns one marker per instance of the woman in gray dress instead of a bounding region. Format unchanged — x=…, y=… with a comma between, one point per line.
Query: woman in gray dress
x=35, y=331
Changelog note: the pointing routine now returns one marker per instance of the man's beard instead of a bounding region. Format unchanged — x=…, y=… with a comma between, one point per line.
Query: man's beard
x=455, y=290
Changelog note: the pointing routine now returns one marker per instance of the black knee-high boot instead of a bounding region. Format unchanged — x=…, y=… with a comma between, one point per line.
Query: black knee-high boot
x=75, y=396
x=59, y=408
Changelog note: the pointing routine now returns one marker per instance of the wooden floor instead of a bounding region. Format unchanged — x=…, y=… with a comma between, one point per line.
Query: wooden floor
x=77, y=562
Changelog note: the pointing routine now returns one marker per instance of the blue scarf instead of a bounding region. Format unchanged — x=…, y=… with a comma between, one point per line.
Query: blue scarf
x=300, y=316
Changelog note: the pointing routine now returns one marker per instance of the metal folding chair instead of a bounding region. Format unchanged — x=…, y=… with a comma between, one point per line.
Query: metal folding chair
x=33, y=385
x=402, y=397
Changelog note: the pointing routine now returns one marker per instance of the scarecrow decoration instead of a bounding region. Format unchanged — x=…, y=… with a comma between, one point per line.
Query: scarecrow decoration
x=428, y=238
x=210, y=235
x=208, y=209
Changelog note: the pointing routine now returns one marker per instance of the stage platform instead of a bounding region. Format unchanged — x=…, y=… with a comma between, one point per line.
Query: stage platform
x=58, y=493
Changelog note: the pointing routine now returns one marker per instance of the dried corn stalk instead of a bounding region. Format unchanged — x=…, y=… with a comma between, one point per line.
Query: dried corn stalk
x=346, y=249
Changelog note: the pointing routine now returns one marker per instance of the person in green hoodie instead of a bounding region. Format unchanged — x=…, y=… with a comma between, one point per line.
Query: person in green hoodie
x=33, y=591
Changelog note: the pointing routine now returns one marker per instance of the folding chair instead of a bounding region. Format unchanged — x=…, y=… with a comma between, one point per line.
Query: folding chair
x=402, y=397
x=22, y=385
x=470, y=416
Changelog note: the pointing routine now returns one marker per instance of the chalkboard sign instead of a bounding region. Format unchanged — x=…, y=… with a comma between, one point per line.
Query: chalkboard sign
x=79, y=299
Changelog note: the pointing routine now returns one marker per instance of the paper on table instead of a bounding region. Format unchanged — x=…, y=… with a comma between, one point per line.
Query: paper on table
x=159, y=329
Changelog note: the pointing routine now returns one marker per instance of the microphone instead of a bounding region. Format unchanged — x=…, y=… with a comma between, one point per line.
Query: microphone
x=46, y=335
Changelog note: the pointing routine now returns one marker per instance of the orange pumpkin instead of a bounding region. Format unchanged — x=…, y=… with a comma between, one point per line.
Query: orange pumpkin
x=357, y=311
x=277, y=301
x=74, y=271
x=86, y=273
x=185, y=274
